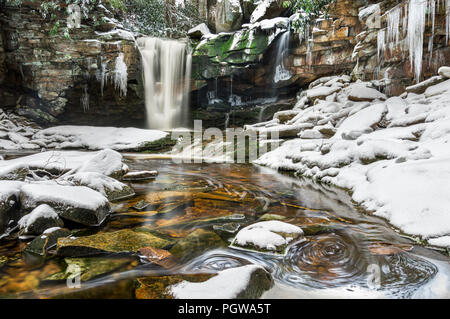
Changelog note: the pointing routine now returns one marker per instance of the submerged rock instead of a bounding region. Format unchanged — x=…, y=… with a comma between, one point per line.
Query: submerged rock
x=196, y=243
x=267, y=237
x=88, y=268
x=41, y=244
x=139, y=176
x=267, y=217
x=122, y=241
x=76, y=203
x=40, y=219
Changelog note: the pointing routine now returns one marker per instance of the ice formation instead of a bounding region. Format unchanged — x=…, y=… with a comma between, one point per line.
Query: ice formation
x=408, y=21
x=121, y=75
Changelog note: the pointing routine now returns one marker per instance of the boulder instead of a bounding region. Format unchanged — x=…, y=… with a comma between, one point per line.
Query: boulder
x=199, y=31
x=122, y=241
x=9, y=193
x=267, y=9
x=40, y=219
x=245, y=282
x=361, y=93
x=267, y=237
x=444, y=71
x=79, y=204
x=140, y=176
x=424, y=85
x=109, y=187
x=228, y=15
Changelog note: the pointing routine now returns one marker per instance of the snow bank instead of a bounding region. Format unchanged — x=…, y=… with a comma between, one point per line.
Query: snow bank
x=96, y=138
x=106, y=162
x=393, y=155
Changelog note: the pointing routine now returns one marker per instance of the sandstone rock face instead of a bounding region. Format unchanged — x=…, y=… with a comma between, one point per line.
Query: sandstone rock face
x=393, y=63
x=228, y=15
x=67, y=78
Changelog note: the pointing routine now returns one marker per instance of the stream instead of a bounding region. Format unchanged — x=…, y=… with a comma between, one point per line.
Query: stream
x=343, y=246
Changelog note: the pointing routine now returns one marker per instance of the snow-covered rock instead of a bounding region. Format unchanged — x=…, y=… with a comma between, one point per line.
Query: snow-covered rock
x=39, y=220
x=358, y=92
x=268, y=236
x=199, y=31
x=107, y=186
x=444, y=71
x=76, y=203
x=247, y=282
x=97, y=138
x=107, y=162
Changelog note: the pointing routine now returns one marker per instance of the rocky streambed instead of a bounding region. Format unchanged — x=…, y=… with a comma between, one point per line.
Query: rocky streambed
x=199, y=231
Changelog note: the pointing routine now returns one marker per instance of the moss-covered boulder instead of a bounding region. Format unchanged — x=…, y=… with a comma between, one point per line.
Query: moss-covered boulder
x=122, y=241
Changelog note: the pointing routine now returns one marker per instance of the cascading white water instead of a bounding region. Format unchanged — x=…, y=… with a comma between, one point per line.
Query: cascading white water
x=281, y=73
x=167, y=73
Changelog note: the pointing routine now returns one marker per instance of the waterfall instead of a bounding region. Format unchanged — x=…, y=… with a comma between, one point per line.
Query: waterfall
x=281, y=73
x=167, y=73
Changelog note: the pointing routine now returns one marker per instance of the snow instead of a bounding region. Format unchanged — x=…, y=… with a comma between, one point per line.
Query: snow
x=42, y=211
x=8, y=189
x=260, y=10
x=105, y=162
x=227, y=284
x=392, y=155
x=96, y=181
x=443, y=241
x=359, y=92
x=265, y=234
x=321, y=91
x=95, y=138
x=76, y=196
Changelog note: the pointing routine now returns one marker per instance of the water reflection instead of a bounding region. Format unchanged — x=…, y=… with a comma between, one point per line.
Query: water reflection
x=340, y=245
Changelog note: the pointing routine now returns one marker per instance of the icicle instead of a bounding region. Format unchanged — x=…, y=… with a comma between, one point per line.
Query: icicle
x=121, y=75
x=85, y=98
x=432, y=17
x=381, y=43
x=393, y=26
x=447, y=19
x=416, y=28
